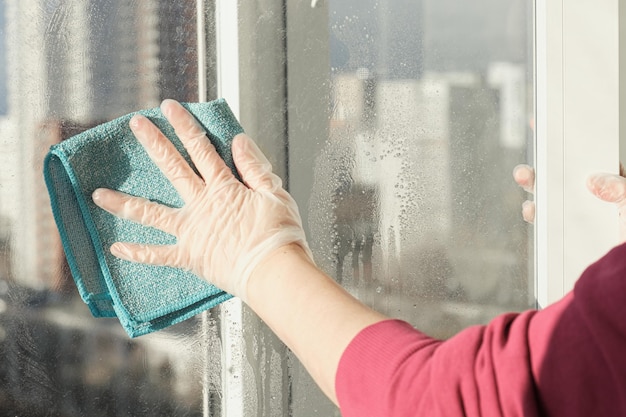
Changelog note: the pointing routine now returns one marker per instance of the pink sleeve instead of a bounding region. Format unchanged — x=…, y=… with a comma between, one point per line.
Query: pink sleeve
x=566, y=360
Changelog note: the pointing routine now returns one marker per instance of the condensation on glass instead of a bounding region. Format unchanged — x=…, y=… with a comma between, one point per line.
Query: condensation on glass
x=414, y=207
x=67, y=65
x=400, y=151
x=428, y=107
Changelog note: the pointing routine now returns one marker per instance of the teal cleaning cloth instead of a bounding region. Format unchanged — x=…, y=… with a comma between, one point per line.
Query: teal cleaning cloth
x=144, y=298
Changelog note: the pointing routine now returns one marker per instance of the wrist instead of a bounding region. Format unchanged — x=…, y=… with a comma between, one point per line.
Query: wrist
x=277, y=262
x=314, y=316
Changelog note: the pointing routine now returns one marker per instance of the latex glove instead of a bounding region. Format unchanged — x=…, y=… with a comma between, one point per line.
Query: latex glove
x=524, y=176
x=225, y=228
x=611, y=188
x=605, y=186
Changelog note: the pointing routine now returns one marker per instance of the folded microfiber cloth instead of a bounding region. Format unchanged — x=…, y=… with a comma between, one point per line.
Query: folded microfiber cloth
x=144, y=298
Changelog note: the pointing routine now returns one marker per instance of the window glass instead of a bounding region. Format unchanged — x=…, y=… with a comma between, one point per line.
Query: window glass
x=404, y=120
x=425, y=107
x=67, y=65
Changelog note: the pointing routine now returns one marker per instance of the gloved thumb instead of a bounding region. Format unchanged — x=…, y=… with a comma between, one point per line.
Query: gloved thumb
x=611, y=188
x=254, y=168
x=608, y=187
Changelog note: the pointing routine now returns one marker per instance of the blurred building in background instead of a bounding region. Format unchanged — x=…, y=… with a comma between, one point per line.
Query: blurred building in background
x=94, y=61
x=429, y=124
x=67, y=66
x=436, y=159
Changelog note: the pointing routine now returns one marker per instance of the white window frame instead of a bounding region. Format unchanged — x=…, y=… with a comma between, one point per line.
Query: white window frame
x=577, y=97
x=228, y=63
x=251, y=77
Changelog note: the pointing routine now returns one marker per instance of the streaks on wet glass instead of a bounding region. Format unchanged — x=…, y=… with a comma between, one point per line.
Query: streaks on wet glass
x=267, y=370
x=412, y=207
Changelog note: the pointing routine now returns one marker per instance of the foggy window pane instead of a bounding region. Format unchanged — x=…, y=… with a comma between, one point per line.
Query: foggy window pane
x=412, y=205
x=68, y=65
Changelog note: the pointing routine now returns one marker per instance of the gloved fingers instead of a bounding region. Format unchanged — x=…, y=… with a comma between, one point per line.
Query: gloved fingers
x=524, y=176
x=611, y=188
x=159, y=255
x=528, y=211
x=165, y=155
x=192, y=135
x=136, y=209
x=608, y=187
x=253, y=166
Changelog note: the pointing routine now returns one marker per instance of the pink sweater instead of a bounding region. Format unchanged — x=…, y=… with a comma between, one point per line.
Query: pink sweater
x=566, y=360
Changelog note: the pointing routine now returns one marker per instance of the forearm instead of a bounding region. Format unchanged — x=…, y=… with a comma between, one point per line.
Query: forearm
x=308, y=311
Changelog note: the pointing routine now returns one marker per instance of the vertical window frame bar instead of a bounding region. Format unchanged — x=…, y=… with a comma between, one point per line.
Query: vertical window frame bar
x=577, y=93
x=231, y=312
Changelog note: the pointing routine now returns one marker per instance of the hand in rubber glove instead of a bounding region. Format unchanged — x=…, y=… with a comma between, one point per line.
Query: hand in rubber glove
x=607, y=187
x=225, y=228
x=524, y=176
